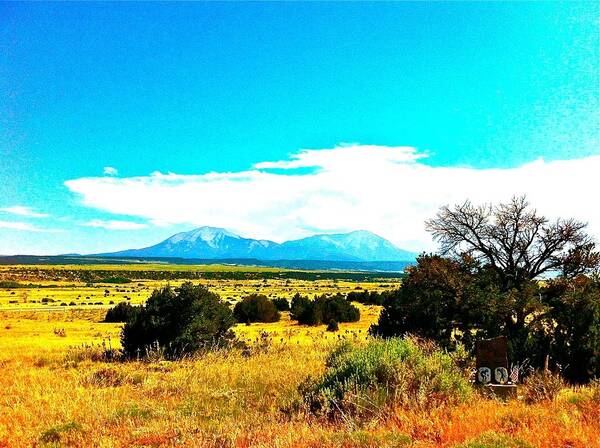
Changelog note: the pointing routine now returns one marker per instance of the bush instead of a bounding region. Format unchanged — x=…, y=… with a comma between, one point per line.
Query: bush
x=323, y=309
x=574, y=320
x=117, y=280
x=542, y=386
x=366, y=380
x=57, y=434
x=281, y=304
x=8, y=284
x=256, y=308
x=300, y=307
x=122, y=312
x=180, y=322
x=333, y=326
x=493, y=440
x=366, y=297
x=366, y=439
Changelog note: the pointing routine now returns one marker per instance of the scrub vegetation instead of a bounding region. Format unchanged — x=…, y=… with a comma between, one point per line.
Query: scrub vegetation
x=221, y=356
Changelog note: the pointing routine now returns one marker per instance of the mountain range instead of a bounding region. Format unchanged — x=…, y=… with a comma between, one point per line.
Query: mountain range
x=216, y=243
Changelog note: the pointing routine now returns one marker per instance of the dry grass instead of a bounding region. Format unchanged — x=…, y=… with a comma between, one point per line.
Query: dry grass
x=56, y=392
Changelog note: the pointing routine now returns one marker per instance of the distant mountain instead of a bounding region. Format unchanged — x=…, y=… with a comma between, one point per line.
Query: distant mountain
x=360, y=245
x=216, y=243
x=204, y=242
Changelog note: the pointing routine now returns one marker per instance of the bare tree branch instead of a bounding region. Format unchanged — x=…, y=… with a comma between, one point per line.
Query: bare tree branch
x=514, y=240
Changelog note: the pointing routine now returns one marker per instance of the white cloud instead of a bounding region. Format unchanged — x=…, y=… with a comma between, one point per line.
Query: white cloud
x=110, y=171
x=388, y=190
x=22, y=210
x=19, y=226
x=115, y=225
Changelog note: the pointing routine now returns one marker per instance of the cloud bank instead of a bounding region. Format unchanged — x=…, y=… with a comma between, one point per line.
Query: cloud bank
x=387, y=190
x=110, y=171
x=114, y=224
x=22, y=210
x=22, y=226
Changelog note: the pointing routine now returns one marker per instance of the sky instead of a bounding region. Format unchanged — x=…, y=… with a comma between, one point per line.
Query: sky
x=123, y=123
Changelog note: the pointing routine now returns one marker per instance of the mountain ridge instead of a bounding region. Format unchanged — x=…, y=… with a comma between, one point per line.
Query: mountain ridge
x=218, y=243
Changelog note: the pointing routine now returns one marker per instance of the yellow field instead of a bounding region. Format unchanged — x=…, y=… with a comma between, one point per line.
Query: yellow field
x=59, y=292
x=54, y=391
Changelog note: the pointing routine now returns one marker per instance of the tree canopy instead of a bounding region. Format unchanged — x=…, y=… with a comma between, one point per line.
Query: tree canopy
x=514, y=240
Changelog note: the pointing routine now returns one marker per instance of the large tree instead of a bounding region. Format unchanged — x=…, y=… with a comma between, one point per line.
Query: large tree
x=514, y=240
x=486, y=284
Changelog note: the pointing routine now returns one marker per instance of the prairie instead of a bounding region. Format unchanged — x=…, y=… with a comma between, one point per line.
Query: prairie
x=58, y=391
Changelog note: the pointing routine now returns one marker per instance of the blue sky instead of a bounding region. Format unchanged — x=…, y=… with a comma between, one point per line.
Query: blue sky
x=477, y=89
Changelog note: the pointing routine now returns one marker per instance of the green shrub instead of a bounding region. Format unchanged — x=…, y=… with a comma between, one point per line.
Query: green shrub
x=117, y=280
x=367, y=297
x=493, y=440
x=256, y=308
x=542, y=386
x=133, y=411
x=8, y=284
x=281, y=303
x=323, y=309
x=365, y=380
x=56, y=434
x=178, y=322
x=574, y=320
x=122, y=312
x=300, y=307
x=365, y=439
x=333, y=326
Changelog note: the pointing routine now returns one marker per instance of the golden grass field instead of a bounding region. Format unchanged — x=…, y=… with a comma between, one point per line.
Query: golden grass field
x=54, y=393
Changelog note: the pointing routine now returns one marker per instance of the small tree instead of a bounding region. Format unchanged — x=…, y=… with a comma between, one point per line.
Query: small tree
x=333, y=326
x=281, y=303
x=180, y=321
x=366, y=297
x=256, y=308
x=328, y=308
x=427, y=302
x=324, y=309
x=300, y=307
x=121, y=312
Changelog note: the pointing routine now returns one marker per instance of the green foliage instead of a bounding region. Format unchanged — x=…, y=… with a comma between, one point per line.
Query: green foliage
x=281, y=303
x=365, y=439
x=490, y=288
x=333, y=326
x=179, y=322
x=542, y=386
x=55, y=434
x=117, y=280
x=574, y=336
x=256, y=308
x=300, y=307
x=365, y=380
x=493, y=440
x=427, y=302
x=367, y=297
x=452, y=301
x=122, y=312
x=10, y=284
x=323, y=309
